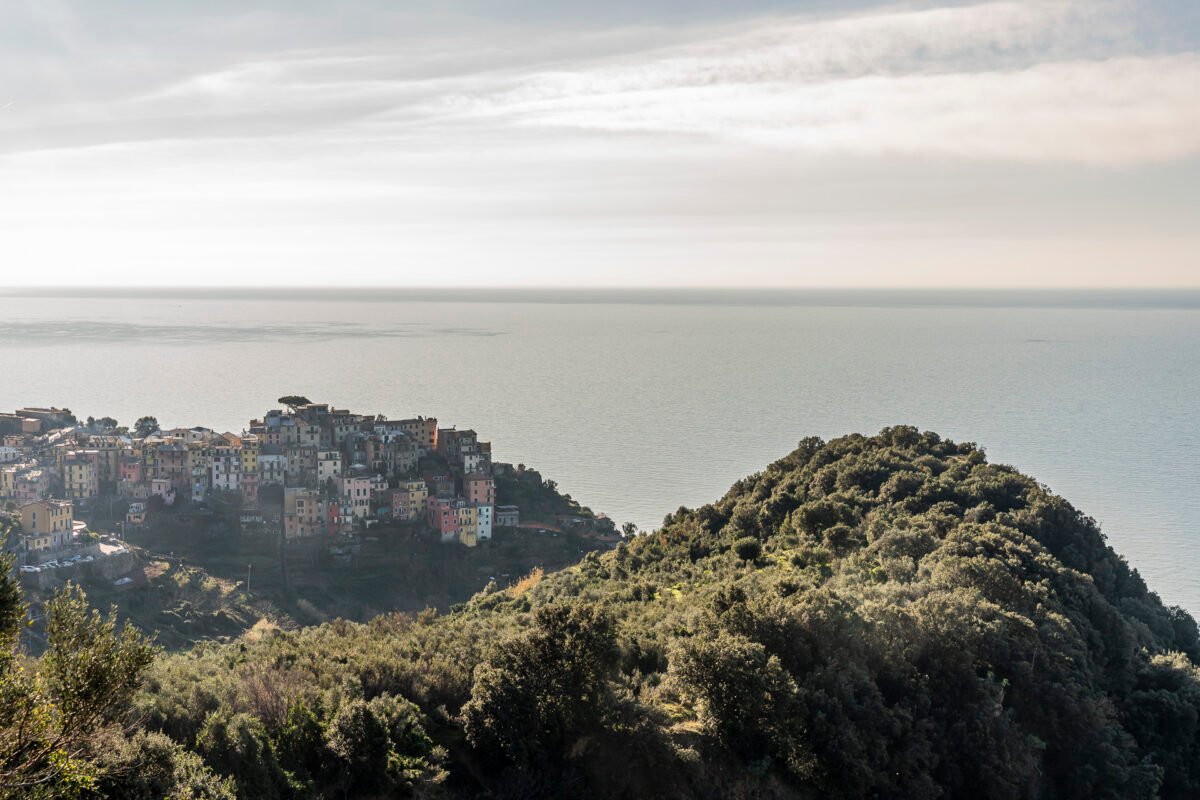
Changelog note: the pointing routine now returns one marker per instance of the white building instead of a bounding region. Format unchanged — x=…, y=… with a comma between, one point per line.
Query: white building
x=483, y=522
x=227, y=468
x=507, y=516
x=474, y=462
x=329, y=465
x=272, y=468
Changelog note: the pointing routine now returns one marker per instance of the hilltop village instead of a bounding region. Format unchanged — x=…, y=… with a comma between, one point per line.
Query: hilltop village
x=314, y=472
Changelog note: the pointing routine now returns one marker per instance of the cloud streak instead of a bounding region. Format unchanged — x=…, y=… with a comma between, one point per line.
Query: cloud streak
x=1046, y=81
x=530, y=150
x=1040, y=80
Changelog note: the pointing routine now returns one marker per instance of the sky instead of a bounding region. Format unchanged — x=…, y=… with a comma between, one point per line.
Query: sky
x=757, y=143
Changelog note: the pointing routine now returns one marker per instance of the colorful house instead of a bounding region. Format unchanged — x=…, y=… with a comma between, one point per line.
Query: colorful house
x=467, y=519
x=302, y=513
x=131, y=469
x=329, y=466
x=356, y=490
x=272, y=466
x=442, y=516
x=250, y=449
x=408, y=500
x=30, y=485
x=80, y=474
x=483, y=522
x=47, y=523
x=479, y=488
x=227, y=468
x=172, y=463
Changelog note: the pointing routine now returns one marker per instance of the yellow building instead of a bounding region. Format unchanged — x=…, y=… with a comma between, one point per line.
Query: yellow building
x=8, y=480
x=467, y=524
x=149, y=451
x=408, y=500
x=47, y=523
x=250, y=450
x=81, y=479
x=199, y=462
x=423, y=431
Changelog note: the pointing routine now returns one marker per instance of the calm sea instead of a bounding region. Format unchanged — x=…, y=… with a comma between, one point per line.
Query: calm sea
x=639, y=402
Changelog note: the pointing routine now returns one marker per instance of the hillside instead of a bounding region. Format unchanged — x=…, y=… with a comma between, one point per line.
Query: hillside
x=885, y=616
x=190, y=565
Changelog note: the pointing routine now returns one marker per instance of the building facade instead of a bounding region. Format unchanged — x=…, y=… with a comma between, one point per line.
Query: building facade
x=47, y=524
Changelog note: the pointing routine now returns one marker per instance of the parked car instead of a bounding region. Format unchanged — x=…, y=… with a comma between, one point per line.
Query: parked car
x=30, y=568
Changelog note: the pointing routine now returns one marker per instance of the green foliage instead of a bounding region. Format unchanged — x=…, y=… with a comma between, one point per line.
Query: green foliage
x=747, y=699
x=886, y=616
x=539, y=693
x=378, y=747
x=237, y=744
x=539, y=500
x=145, y=426
x=52, y=710
x=149, y=766
x=747, y=548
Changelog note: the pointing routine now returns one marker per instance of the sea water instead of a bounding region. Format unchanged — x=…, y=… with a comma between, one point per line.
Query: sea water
x=638, y=402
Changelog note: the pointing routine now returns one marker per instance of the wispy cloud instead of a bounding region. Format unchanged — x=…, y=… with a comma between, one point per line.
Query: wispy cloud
x=1046, y=80
x=1042, y=80
x=474, y=141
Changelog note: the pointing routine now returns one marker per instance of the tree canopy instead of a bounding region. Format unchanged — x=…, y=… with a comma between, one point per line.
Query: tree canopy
x=54, y=710
x=145, y=426
x=887, y=616
x=294, y=401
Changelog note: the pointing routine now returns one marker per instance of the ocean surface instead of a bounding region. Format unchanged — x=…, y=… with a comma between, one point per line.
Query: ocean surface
x=637, y=402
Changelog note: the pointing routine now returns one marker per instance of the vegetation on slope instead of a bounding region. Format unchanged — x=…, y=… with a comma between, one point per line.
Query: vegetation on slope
x=873, y=617
x=199, y=593
x=538, y=499
x=191, y=565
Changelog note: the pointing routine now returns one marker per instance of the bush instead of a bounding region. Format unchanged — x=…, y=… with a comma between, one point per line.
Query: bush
x=540, y=692
x=747, y=548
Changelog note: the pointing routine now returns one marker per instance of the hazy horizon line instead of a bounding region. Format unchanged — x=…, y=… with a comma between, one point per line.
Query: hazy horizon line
x=1068, y=297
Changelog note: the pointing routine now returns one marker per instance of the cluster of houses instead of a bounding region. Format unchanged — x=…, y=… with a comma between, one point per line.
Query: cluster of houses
x=336, y=471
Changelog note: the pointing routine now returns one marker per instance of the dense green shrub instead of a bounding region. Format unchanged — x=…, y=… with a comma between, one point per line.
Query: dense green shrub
x=747, y=548
x=886, y=616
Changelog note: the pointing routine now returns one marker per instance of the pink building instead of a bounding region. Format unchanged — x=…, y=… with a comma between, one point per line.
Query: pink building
x=171, y=463
x=131, y=469
x=333, y=517
x=32, y=485
x=479, y=488
x=356, y=491
x=442, y=515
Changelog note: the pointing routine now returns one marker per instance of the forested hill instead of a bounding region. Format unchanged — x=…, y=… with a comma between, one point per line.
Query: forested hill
x=885, y=616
